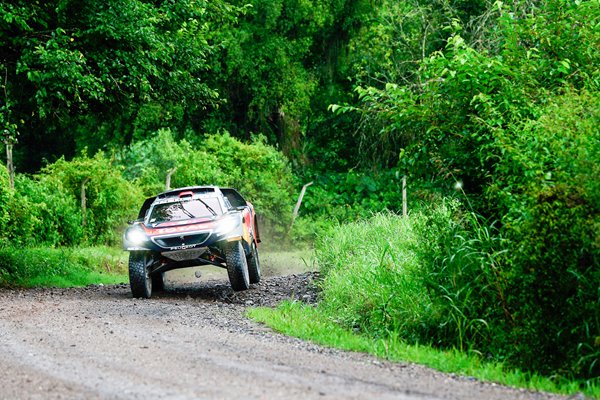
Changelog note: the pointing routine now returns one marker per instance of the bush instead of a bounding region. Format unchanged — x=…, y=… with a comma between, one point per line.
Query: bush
x=20, y=218
x=46, y=209
x=548, y=190
x=48, y=215
x=353, y=195
x=148, y=163
x=110, y=199
x=258, y=171
x=553, y=284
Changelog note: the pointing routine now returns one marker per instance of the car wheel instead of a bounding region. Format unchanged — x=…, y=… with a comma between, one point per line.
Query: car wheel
x=158, y=282
x=253, y=264
x=139, y=277
x=237, y=266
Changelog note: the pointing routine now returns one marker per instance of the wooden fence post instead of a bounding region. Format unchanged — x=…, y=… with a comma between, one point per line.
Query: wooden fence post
x=404, y=205
x=298, y=203
x=9, y=164
x=83, y=200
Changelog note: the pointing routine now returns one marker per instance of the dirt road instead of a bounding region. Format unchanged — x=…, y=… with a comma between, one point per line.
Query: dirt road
x=192, y=343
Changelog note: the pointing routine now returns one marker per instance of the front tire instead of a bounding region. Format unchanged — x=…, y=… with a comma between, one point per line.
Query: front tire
x=139, y=276
x=237, y=266
x=253, y=264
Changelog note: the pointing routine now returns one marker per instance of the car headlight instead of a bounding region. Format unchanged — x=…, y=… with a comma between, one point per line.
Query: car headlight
x=228, y=224
x=136, y=236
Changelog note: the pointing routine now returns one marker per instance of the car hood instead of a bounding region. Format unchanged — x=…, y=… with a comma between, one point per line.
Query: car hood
x=180, y=226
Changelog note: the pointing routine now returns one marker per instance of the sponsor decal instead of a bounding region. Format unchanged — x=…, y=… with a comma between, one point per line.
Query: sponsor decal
x=187, y=246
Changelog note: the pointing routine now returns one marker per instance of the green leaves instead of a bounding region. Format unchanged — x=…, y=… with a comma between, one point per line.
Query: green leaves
x=110, y=199
x=73, y=66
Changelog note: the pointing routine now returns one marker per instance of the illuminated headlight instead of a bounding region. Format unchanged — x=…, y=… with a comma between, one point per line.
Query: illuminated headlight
x=228, y=224
x=136, y=236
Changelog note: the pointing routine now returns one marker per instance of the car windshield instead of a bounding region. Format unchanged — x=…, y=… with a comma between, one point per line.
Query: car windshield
x=185, y=209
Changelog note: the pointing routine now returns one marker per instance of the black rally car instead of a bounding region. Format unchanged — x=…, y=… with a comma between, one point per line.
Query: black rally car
x=192, y=226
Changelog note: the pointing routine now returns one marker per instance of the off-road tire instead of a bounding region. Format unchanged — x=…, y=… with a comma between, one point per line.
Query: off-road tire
x=139, y=278
x=237, y=266
x=158, y=282
x=253, y=264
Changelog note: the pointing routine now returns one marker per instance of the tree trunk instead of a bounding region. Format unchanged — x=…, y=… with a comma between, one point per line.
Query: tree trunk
x=168, y=180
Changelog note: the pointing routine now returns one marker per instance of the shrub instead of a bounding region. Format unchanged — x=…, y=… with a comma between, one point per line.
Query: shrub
x=19, y=217
x=548, y=190
x=110, y=199
x=553, y=284
x=148, y=162
x=52, y=214
x=353, y=195
x=258, y=171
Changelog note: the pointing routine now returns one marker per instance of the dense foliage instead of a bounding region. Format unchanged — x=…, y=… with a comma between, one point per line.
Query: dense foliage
x=442, y=278
x=511, y=122
x=81, y=74
x=89, y=199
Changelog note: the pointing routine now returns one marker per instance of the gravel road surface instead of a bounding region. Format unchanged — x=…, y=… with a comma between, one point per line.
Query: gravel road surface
x=193, y=342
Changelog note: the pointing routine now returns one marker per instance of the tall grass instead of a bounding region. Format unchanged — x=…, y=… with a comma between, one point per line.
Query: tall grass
x=439, y=277
x=372, y=269
x=424, y=277
x=61, y=267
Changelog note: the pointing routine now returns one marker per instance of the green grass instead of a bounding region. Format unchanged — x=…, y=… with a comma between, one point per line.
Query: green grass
x=310, y=323
x=61, y=267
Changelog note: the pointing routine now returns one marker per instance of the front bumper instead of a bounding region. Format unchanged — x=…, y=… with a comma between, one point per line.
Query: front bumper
x=186, y=237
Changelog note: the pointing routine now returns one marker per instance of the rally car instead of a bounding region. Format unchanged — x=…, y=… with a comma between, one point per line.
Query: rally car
x=193, y=226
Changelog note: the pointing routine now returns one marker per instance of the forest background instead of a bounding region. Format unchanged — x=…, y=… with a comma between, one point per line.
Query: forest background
x=490, y=109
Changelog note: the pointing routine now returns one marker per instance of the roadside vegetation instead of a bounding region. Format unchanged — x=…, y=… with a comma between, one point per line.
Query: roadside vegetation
x=489, y=109
x=435, y=288
x=50, y=238
x=61, y=267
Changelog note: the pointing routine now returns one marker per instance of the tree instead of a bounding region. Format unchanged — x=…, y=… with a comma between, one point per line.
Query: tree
x=9, y=131
x=280, y=68
x=84, y=73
